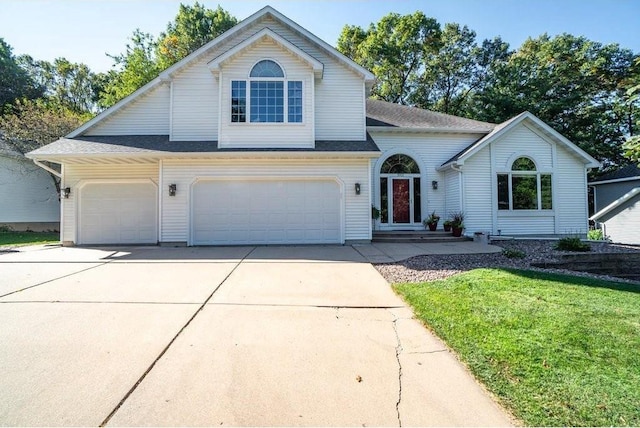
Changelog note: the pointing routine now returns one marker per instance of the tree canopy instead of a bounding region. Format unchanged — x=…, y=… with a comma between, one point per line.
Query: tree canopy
x=15, y=82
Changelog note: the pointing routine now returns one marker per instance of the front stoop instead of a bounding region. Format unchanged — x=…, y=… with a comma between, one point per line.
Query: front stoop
x=414, y=236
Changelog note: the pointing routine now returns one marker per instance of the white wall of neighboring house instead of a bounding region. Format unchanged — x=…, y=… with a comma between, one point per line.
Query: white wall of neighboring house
x=622, y=224
x=27, y=195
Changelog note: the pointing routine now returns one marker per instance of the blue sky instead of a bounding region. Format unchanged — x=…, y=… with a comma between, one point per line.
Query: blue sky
x=84, y=30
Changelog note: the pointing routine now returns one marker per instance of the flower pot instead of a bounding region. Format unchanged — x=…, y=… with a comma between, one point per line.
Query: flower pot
x=447, y=228
x=433, y=226
x=457, y=231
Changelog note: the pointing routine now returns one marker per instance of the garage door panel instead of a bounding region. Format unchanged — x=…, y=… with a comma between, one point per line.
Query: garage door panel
x=122, y=213
x=266, y=212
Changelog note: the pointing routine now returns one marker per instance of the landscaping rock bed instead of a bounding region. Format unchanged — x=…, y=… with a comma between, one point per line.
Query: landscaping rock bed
x=429, y=268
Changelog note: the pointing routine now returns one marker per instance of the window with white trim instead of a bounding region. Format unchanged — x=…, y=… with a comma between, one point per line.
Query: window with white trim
x=265, y=101
x=524, y=187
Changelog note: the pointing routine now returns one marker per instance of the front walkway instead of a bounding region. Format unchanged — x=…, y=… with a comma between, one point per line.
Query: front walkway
x=384, y=252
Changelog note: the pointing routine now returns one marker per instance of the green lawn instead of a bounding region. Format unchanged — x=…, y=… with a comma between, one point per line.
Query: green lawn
x=557, y=350
x=28, y=238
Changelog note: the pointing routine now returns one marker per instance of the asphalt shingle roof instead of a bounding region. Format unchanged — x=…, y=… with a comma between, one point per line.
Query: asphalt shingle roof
x=154, y=144
x=631, y=170
x=385, y=114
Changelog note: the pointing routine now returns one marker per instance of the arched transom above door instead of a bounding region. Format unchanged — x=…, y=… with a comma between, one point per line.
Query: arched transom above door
x=400, y=196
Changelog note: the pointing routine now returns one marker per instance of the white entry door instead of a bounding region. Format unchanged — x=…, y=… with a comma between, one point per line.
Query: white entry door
x=236, y=212
x=118, y=213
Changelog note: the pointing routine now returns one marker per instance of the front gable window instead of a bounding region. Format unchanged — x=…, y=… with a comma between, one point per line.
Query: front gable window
x=524, y=187
x=266, y=101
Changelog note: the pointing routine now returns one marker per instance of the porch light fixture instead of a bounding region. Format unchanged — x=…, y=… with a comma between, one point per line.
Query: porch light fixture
x=66, y=192
x=357, y=188
x=172, y=189
x=434, y=185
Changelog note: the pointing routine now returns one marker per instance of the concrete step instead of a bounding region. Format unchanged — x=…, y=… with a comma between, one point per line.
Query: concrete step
x=416, y=236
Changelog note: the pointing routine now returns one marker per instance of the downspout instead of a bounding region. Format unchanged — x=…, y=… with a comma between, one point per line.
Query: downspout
x=458, y=168
x=47, y=168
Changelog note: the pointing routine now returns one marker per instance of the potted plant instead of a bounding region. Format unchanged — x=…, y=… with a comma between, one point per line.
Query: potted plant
x=375, y=215
x=431, y=222
x=457, y=223
x=447, y=226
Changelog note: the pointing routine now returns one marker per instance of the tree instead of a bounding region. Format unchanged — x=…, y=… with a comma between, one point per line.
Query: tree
x=32, y=124
x=70, y=85
x=574, y=84
x=15, y=82
x=146, y=56
x=193, y=27
x=394, y=50
x=133, y=69
x=632, y=145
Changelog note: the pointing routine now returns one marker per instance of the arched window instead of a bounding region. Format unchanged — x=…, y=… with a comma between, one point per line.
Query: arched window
x=400, y=164
x=266, y=101
x=266, y=68
x=524, y=187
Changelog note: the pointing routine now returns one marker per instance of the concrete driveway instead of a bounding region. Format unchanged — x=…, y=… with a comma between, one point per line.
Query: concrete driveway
x=300, y=336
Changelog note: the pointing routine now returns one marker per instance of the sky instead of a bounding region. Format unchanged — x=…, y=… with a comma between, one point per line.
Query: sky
x=86, y=30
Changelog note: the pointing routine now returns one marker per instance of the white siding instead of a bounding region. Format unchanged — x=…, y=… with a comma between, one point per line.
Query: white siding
x=477, y=185
x=623, y=223
x=270, y=134
x=175, y=210
x=27, y=193
x=527, y=225
x=452, y=193
x=195, y=111
x=148, y=115
x=430, y=151
x=75, y=175
x=522, y=141
x=570, y=194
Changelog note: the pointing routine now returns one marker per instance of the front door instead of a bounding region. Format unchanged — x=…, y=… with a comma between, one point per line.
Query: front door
x=402, y=202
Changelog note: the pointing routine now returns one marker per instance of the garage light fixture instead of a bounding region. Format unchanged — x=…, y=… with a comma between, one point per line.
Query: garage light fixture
x=172, y=189
x=66, y=192
x=434, y=185
x=357, y=188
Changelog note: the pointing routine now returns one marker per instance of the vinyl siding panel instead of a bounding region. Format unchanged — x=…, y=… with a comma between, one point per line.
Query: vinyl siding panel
x=175, y=210
x=611, y=192
x=430, y=151
x=570, y=194
x=622, y=225
x=148, y=115
x=477, y=185
x=522, y=141
x=267, y=134
x=195, y=111
x=27, y=192
x=527, y=225
x=452, y=193
x=76, y=175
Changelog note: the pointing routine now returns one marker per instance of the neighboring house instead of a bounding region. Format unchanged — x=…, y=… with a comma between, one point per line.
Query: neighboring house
x=28, y=196
x=617, y=204
x=265, y=136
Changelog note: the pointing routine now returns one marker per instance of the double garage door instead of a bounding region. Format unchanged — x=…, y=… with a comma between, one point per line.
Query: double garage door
x=235, y=212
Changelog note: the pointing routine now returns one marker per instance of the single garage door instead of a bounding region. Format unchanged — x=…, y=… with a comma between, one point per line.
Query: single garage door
x=122, y=213
x=235, y=212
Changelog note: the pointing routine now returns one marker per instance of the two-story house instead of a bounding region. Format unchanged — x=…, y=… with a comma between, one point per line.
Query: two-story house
x=266, y=135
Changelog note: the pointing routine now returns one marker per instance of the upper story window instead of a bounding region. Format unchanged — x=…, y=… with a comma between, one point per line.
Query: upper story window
x=266, y=101
x=524, y=187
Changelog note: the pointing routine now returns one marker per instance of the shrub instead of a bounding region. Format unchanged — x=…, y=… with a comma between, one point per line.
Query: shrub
x=572, y=243
x=512, y=253
x=6, y=228
x=595, y=235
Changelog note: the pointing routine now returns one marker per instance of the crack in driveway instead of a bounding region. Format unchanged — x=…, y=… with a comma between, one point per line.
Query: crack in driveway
x=398, y=352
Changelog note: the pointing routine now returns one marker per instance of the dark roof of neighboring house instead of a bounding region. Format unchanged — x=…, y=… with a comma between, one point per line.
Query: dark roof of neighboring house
x=385, y=114
x=129, y=144
x=628, y=171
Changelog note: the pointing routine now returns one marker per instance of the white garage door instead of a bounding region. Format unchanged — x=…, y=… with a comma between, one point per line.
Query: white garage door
x=123, y=213
x=266, y=212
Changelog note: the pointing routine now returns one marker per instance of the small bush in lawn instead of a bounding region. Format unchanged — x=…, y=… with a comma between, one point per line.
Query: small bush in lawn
x=595, y=235
x=5, y=228
x=572, y=243
x=511, y=253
